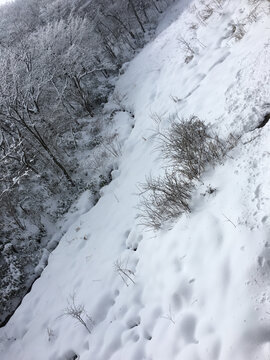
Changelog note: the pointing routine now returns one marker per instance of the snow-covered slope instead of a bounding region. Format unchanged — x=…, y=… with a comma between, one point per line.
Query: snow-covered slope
x=199, y=290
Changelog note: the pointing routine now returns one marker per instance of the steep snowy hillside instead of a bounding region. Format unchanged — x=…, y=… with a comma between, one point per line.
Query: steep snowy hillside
x=200, y=290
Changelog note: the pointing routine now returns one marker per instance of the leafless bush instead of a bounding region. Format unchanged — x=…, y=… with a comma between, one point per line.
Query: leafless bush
x=205, y=13
x=237, y=30
x=187, y=48
x=238, y=27
x=260, y=7
x=126, y=274
x=253, y=15
x=219, y=3
x=97, y=159
x=256, y=2
x=193, y=26
x=78, y=312
x=113, y=145
x=189, y=147
x=119, y=101
x=164, y=198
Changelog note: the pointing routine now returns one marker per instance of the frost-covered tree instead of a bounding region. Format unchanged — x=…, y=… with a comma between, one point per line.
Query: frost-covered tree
x=58, y=62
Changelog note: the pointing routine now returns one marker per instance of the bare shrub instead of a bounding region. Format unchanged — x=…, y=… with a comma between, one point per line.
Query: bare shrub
x=187, y=48
x=78, y=312
x=126, y=274
x=219, y=3
x=119, y=101
x=113, y=145
x=238, y=27
x=255, y=2
x=189, y=147
x=253, y=15
x=205, y=13
x=237, y=30
x=164, y=198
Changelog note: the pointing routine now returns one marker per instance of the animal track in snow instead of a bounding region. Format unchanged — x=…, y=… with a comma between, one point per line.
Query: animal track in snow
x=177, y=301
x=133, y=240
x=102, y=308
x=133, y=321
x=187, y=328
x=220, y=61
x=185, y=290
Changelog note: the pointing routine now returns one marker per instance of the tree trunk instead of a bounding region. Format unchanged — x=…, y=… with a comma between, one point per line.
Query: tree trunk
x=136, y=15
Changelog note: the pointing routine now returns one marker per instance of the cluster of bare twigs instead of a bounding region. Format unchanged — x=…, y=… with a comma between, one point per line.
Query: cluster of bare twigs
x=126, y=274
x=78, y=312
x=189, y=147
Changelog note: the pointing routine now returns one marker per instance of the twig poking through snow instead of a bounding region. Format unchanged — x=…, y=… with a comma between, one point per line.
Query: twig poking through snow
x=229, y=220
x=125, y=273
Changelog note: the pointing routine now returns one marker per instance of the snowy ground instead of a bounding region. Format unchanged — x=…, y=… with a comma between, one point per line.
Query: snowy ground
x=199, y=291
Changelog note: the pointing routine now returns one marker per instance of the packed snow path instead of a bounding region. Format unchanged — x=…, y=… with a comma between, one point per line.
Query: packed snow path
x=199, y=291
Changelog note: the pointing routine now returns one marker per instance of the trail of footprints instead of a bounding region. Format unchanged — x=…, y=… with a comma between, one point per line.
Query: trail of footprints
x=137, y=328
x=124, y=320
x=140, y=323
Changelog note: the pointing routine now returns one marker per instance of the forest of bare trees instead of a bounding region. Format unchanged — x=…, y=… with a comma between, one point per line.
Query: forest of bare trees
x=58, y=62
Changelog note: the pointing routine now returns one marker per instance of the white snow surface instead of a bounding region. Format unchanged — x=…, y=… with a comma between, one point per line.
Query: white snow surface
x=199, y=291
